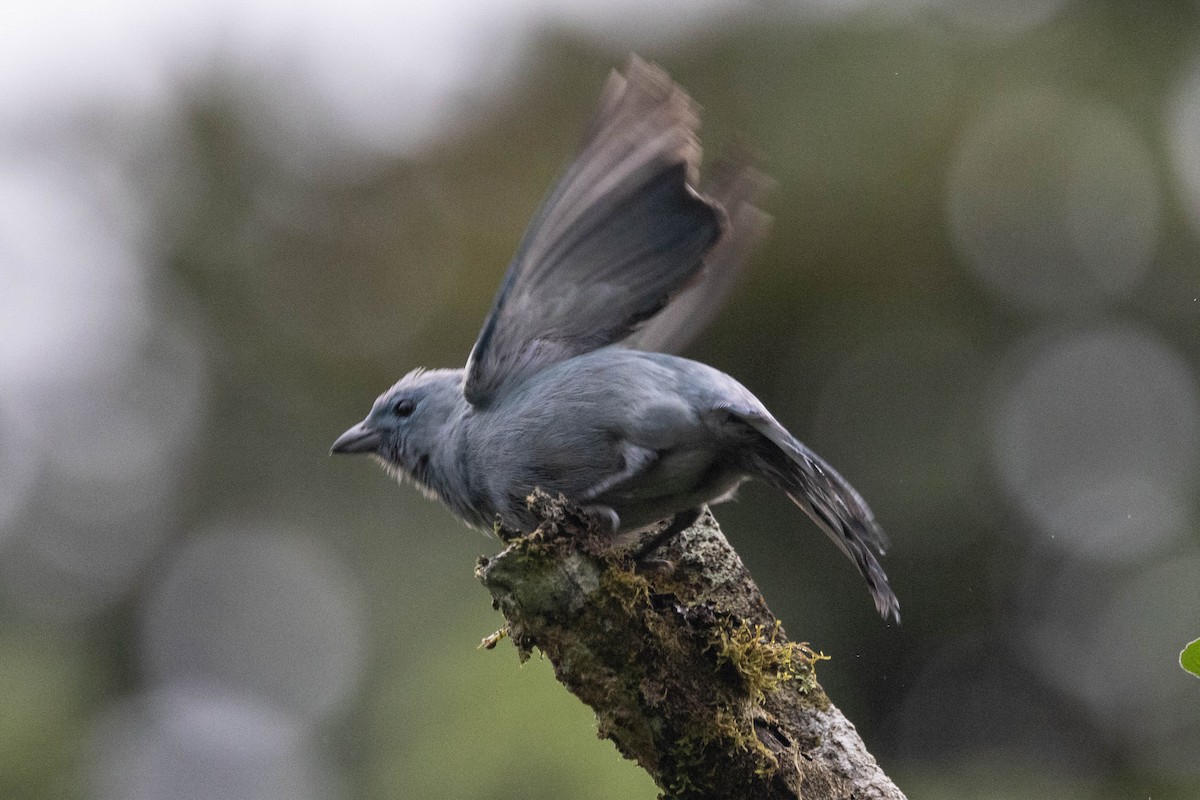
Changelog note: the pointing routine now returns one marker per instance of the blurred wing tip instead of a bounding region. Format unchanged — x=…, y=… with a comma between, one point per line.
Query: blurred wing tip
x=644, y=92
x=736, y=181
x=652, y=80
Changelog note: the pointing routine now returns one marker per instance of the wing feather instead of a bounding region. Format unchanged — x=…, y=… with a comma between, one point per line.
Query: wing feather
x=737, y=187
x=622, y=231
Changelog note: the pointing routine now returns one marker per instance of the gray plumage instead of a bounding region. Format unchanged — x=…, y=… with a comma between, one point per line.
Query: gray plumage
x=570, y=388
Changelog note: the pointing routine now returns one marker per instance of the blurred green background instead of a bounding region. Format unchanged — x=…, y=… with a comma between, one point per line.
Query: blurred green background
x=224, y=232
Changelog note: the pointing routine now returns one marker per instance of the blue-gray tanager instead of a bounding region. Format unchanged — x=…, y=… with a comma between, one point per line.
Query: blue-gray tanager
x=567, y=387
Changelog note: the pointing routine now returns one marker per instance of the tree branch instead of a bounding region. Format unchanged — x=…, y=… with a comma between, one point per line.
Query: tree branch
x=685, y=666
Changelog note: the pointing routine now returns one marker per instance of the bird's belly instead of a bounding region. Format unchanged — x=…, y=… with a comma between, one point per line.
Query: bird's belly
x=679, y=480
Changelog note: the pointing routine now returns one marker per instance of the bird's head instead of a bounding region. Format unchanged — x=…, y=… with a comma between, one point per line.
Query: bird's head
x=407, y=422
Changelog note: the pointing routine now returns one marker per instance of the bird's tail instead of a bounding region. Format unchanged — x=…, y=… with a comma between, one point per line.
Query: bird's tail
x=833, y=504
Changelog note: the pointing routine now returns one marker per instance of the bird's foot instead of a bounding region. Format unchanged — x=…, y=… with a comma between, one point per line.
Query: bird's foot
x=678, y=524
x=602, y=519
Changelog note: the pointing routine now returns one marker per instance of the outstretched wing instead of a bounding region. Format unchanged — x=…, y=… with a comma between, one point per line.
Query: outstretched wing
x=736, y=187
x=622, y=230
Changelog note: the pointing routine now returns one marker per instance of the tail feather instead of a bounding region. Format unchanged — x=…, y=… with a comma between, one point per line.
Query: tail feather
x=832, y=503
x=854, y=537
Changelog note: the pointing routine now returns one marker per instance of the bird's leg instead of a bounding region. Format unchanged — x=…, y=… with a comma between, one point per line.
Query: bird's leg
x=678, y=524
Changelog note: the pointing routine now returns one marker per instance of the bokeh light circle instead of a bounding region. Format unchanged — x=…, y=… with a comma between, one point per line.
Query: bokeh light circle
x=144, y=405
x=73, y=280
x=107, y=443
x=1183, y=138
x=899, y=418
x=19, y=462
x=1053, y=202
x=202, y=745
x=1113, y=644
x=1096, y=439
x=256, y=611
x=996, y=19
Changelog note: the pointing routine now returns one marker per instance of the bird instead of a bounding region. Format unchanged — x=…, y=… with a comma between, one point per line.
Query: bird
x=573, y=385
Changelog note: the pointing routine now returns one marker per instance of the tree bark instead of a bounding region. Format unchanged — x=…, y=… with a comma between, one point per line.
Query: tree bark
x=686, y=668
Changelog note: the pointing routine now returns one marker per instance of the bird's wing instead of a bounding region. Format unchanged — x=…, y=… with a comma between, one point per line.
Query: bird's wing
x=622, y=231
x=735, y=186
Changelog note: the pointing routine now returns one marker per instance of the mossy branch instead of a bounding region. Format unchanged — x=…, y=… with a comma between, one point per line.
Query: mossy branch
x=685, y=667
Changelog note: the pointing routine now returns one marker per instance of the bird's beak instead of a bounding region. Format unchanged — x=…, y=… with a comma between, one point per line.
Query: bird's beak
x=362, y=438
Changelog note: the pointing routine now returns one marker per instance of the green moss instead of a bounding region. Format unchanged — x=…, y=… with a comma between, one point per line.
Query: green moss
x=762, y=659
x=752, y=661
x=700, y=755
x=755, y=661
x=630, y=589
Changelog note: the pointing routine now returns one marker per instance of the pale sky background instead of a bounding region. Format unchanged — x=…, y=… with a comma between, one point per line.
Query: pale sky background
x=385, y=69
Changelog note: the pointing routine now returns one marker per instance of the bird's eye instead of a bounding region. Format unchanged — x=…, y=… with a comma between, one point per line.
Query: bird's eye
x=404, y=408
